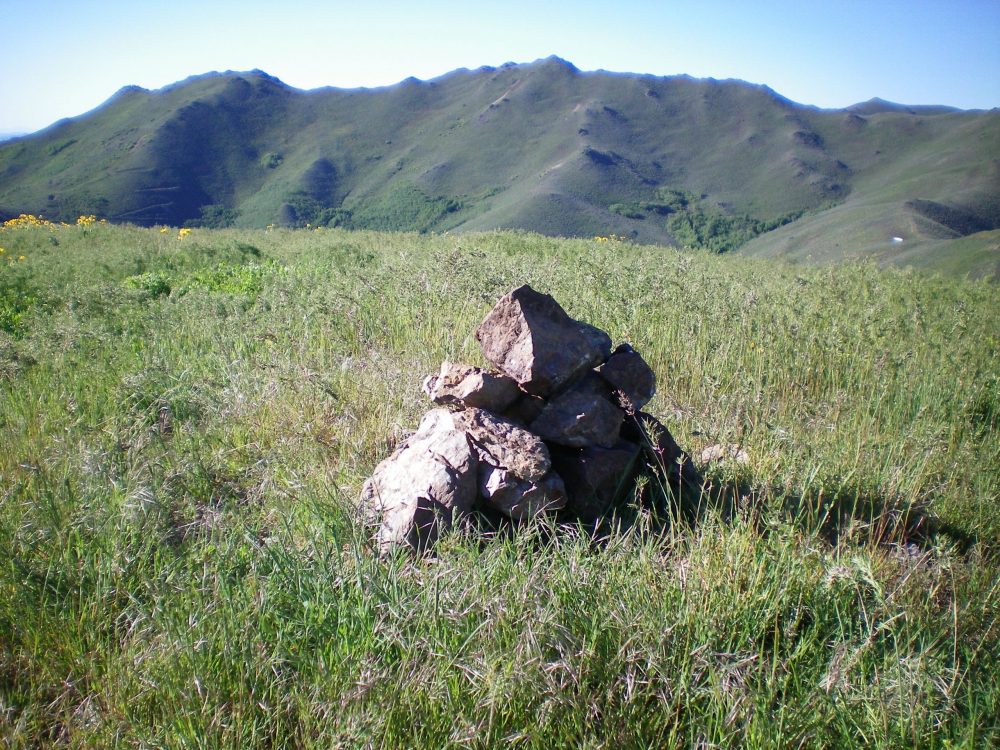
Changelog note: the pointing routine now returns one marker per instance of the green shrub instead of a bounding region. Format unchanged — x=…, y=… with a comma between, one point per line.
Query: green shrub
x=712, y=230
x=403, y=208
x=246, y=279
x=17, y=298
x=215, y=216
x=628, y=210
x=154, y=283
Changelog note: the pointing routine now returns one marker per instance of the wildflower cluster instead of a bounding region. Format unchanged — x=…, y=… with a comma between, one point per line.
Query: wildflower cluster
x=3, y=252
x=609, y=238
x=28, y=221
x=181, y=233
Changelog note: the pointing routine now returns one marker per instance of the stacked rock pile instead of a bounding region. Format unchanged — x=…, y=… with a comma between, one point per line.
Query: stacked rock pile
x=558, y=428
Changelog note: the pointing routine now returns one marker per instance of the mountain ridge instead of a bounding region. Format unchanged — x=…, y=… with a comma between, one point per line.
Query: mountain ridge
x=540, y=146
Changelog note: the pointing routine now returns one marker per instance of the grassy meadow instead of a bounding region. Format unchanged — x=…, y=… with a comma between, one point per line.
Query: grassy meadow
x=186, y=420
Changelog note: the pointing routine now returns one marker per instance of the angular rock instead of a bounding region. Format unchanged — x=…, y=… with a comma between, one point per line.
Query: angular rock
x=596, y=478
x=502, y=443
x=581, y=416
x=531, y=338
x=424, y=487
x=627, y=372
x=525, y=410
x=664, y=453
x=517, y=498
x=467, y=385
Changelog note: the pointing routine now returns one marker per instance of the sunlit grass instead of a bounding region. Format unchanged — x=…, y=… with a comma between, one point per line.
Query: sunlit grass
x=184, y=426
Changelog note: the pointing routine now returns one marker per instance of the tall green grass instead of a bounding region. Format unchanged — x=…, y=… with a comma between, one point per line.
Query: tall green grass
x=184, y=424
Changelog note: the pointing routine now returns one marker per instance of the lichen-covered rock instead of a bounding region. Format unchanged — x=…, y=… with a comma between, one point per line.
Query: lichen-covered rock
x=531, y=338
x=627, y=372
x=424, y=487
x=580, y=416
x=595, y=477
x=502, y=443
x=467, y=385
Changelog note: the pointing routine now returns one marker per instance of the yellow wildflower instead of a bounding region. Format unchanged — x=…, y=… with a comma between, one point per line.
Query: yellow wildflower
x=164, y=230
x=182, y=233
x=20, y=257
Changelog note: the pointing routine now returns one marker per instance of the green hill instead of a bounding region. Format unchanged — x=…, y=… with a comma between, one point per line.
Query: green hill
x=540, y=146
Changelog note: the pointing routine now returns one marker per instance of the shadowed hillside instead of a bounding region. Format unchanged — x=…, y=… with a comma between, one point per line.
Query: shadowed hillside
x=540, y=146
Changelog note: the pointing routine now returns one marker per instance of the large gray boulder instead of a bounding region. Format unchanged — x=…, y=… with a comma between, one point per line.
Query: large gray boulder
x=580, y=416
x=531, y=338
x=466, y=385
x=424, y=487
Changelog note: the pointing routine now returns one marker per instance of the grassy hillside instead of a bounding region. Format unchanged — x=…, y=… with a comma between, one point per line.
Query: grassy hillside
x=542, y=146
x=186, y=420
x=941, y=201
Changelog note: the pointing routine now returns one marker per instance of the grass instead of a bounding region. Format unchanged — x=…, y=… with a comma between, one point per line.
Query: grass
x=181, y=566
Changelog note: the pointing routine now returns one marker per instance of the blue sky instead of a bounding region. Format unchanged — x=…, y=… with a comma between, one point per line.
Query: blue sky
x=60, y=58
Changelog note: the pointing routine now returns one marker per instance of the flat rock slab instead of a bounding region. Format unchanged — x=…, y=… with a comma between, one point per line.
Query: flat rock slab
x=581, y=416
x=531, y=338
x=627, y=372
x=596, y=478
x=467, y=385
x=424, y=487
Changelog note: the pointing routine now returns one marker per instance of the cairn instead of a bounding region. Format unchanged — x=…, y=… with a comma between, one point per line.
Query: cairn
x=558, y=428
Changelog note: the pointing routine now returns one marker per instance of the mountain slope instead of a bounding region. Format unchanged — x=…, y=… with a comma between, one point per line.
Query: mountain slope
x=540, y=146
x=921, y=184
